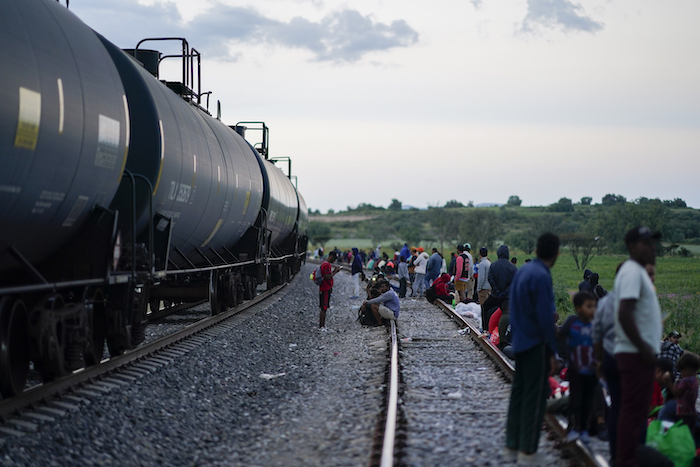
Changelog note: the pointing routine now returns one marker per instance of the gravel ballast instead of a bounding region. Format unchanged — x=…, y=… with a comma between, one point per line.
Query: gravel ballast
x=273, y=390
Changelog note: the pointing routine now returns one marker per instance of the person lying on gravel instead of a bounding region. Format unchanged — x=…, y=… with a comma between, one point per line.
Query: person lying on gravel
x=386, y=305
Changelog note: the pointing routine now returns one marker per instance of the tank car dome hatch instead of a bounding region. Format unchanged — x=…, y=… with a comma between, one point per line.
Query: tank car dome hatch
x=205, y=178
x=63, y=128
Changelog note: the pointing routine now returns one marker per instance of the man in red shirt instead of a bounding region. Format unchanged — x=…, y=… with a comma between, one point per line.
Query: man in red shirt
x=326, y=287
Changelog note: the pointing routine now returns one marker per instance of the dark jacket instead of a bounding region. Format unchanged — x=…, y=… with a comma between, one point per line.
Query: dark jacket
x=501, y=273
x=356, y=262
x=585, y=285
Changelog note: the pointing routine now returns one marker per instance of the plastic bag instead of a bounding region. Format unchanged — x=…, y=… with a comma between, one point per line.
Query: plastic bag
x=673, y=441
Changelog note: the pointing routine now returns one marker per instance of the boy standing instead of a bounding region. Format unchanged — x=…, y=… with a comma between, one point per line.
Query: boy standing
x=403, y=276
x=576, y=334
x=326, y=287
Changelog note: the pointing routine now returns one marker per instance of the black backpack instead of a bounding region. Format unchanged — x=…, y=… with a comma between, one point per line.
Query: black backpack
x=465, y=265
x=366, y=317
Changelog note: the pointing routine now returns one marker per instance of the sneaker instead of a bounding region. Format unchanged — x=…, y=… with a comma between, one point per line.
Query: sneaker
x=572, y=436
x=585, y=438
x=603, y=432
x=536, y=458
x=510, y=455
x=323, y=329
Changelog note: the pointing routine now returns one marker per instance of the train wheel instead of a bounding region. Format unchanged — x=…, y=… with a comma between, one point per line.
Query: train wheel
x=52, y=364
x=154, y=304
x=14, y=347
x=98, y=328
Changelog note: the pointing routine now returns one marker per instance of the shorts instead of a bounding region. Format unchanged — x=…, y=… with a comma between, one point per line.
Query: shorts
x=324, y=299
x=461, y=286
x=386, y=313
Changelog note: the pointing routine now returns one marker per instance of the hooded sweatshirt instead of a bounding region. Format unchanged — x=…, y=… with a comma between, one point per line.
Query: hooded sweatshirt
x=501, y=273
x=356, y=261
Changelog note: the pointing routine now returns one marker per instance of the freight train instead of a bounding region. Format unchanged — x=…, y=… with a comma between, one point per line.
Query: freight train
x=119, y=194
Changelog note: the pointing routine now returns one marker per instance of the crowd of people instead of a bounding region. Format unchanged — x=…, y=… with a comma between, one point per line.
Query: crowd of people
x=611, y=346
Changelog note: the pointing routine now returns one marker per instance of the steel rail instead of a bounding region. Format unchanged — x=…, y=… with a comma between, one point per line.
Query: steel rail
x=387, y=459
x=556, y=423
x=43, y=392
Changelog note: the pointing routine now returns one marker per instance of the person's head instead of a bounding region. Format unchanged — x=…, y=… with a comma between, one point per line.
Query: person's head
x=420, y=249
x=382, y=285
x=414, y=251
x=651, y=270
x=355, y=251
x=332, y=256
x=688, y=364
x=460, y=248
x=483, y=252
x=514, y=260
x=467, y=247
x=402, y=259
x=434, y=250
x=663, y=366
x=673, y=337
x=641, y=244
x=548, y=248
x=585, y=303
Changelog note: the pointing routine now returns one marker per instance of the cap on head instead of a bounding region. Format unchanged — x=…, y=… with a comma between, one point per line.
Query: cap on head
x=674, y=334
x=641, y=233
x=420, y=249
x=467, y=247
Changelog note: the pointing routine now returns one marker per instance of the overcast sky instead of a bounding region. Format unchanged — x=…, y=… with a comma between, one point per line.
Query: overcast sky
x=452, y=99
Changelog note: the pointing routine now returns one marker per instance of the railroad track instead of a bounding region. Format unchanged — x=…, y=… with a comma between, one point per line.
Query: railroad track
x=45, y=401
x=396, y=451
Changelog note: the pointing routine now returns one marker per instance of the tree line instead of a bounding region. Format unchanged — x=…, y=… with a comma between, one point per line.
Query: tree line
x=584, y=228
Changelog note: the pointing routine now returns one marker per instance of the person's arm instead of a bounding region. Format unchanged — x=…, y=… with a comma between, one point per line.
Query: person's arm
x=545, y=313
x=382, y=298
x=629, y=326
x=492, y=281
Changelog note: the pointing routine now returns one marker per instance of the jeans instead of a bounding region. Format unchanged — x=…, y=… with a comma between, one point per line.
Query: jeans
x=419, y=285
x=356, y=284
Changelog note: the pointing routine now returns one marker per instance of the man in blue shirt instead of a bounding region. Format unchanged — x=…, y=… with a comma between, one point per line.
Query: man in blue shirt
x=532, y=314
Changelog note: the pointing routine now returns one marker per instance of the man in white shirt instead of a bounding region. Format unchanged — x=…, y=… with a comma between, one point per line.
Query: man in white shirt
x=638, y=331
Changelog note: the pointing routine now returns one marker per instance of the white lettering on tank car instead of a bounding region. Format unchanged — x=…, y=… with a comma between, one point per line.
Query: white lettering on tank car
x=15, y=190
x=52, y=195
x=107, y=143
x=180, y=192
x=75, y=211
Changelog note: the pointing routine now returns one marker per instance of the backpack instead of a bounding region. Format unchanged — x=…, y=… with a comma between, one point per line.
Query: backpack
x=366, y=317
x=465, y=265
x=317, y=276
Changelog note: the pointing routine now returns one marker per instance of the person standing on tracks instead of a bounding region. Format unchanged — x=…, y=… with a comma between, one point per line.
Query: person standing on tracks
x=432, y=268
x=420, y=264
x=326, y=287
x=534, y=343
x=638, y=331
x=500, y=276
x=464, y=272
x=356, y=271
x=483, y=288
